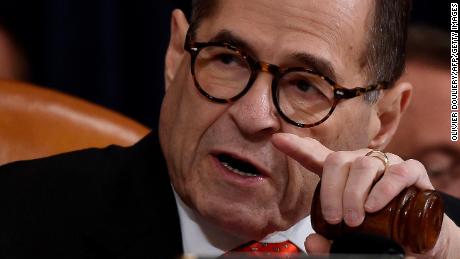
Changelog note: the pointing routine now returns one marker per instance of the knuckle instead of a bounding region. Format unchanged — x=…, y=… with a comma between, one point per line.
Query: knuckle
x=336, y=158
x=363, y=163
x=399, y=171
x=352, y=195
x=415, y=164
x=394, y=158
x=388, y=189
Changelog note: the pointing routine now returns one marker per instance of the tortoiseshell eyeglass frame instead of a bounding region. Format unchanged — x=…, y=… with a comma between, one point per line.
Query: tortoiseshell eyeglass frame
x=340, y=92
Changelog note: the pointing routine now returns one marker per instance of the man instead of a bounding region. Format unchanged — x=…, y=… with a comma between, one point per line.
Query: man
x=248, y=124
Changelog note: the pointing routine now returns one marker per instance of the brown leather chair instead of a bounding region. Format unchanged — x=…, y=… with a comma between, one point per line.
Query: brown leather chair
x=37, y=122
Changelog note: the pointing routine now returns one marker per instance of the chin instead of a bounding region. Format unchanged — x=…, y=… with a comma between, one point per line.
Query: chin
x=247, y=210
x=239, y=219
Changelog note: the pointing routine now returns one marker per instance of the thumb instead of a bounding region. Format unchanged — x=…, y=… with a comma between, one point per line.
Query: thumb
x=316, y=244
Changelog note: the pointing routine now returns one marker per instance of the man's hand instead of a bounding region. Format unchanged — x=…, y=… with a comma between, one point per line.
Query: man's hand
x=347, y=190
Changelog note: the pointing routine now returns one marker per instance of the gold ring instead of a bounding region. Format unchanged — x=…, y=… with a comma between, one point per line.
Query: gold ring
x=379, y=155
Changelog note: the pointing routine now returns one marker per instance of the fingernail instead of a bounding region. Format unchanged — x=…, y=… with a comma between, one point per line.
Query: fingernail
x=332, y=215
x=352, y=218
x=370, y=204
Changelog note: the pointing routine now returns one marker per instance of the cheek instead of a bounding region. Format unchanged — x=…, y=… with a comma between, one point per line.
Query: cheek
x=300, y=188
x=185, y=116
x=347, y=129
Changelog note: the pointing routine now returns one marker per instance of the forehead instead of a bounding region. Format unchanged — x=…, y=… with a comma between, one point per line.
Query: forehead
x=335, y=31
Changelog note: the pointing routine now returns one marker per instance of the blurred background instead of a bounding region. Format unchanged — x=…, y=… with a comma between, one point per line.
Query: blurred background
x=109, y=52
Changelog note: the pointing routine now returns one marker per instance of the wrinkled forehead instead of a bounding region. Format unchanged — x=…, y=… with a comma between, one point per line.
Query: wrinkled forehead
x=332, y=30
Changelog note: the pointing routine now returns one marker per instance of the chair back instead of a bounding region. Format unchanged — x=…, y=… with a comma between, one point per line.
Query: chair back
x=37, y=122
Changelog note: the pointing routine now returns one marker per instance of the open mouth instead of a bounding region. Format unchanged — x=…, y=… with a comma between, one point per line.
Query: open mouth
x=238, y=166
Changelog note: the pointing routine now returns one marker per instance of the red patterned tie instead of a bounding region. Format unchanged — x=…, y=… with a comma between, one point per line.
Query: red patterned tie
x=284, y=249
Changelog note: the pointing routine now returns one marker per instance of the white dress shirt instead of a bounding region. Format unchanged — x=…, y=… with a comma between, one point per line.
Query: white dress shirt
x=200, y=237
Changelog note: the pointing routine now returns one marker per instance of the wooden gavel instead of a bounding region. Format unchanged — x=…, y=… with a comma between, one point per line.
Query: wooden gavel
x=412, y=219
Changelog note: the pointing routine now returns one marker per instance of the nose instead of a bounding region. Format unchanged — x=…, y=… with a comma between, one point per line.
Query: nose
x=254, y=113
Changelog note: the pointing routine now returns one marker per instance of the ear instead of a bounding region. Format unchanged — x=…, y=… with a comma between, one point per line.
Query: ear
x=390, y=108
x=175, y=52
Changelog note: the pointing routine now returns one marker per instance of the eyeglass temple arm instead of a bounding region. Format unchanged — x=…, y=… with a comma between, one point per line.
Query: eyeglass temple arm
x=345, y=93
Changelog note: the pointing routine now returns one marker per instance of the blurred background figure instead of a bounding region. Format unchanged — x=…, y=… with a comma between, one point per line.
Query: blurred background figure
x=424, y=132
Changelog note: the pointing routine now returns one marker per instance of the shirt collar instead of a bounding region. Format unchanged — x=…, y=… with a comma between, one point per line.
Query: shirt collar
x=200, y=237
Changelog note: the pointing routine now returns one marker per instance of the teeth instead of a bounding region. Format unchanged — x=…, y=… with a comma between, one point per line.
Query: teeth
x=226, y=165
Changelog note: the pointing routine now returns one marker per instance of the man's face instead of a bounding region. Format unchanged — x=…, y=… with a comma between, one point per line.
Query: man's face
x=425, y=129
x=201, y=138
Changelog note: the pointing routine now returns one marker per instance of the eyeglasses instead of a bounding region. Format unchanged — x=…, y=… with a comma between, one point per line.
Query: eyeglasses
x=304, y=98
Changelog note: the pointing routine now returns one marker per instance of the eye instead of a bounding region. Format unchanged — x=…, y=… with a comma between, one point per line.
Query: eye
x=228, y=59
x=303, y=85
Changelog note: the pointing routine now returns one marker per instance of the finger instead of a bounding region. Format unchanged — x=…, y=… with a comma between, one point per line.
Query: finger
x=333, y=180
x=310, y=153
x=396, y=178
x=317, y=245
x=364, y=171
x=450, y=233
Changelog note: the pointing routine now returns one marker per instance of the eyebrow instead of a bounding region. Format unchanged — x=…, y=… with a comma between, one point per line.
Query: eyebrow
x=229, y=37
x=313, y=62
x=317, y=64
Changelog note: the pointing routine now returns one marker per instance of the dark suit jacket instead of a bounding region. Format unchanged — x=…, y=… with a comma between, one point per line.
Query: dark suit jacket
x=115, y=202
x=86, y=204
